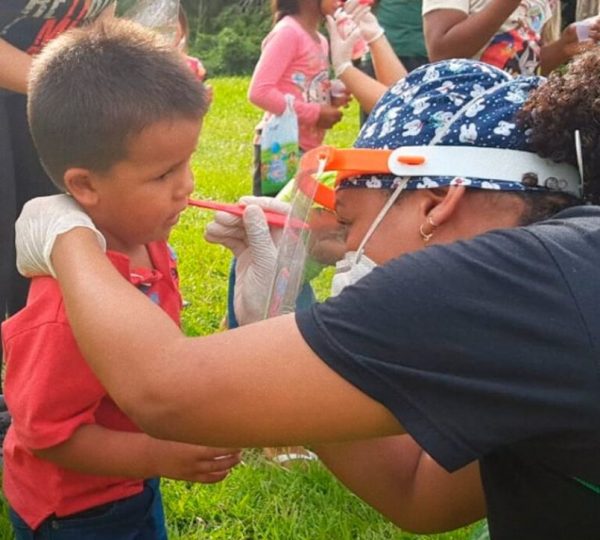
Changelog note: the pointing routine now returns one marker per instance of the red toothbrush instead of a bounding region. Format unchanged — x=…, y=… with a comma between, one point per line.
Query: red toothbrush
x=273, y=218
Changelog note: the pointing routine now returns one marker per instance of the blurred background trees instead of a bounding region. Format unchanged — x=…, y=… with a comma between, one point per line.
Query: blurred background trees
x=226, y=34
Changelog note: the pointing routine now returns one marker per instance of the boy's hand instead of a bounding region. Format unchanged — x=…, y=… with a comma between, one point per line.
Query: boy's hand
x=180, y=461
x=40, y=222
x=328, y=116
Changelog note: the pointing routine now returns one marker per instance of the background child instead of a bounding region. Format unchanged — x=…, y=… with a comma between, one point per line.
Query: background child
x=115, y=116
x=182, y=43
x=518, y=36
x=294, y=60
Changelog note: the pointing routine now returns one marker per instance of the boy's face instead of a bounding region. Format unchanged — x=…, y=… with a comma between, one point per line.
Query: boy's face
x=139, y=199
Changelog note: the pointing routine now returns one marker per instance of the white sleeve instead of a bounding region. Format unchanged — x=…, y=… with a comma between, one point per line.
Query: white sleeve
x=431, y=5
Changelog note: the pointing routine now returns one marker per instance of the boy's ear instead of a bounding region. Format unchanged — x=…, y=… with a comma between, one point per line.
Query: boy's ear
x=80, y=184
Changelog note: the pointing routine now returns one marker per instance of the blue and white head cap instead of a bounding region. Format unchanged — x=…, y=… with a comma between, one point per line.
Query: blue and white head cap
x=461, y=116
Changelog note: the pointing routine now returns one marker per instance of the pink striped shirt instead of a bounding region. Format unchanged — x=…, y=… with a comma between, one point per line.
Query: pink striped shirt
x=293, y=62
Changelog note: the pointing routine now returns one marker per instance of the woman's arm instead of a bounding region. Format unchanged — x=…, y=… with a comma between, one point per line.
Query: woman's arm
x=260, y=385
x=14, y=68
x=365, y=89
x=451, y=33
x=398, y=478
x=388, y=67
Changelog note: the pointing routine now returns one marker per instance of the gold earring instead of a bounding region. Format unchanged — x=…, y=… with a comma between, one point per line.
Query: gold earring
x=427, y=236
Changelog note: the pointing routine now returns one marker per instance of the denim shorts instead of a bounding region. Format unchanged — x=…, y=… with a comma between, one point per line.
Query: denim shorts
x=139, y=517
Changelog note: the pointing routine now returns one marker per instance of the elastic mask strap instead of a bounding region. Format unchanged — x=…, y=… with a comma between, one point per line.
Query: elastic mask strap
x=382, y=213
x=579, y=154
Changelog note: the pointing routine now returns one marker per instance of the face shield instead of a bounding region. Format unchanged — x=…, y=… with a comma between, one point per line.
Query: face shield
x=320, y=241
x=304, y=251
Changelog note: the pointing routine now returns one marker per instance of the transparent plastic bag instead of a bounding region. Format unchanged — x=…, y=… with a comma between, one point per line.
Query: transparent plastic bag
x=279, y=150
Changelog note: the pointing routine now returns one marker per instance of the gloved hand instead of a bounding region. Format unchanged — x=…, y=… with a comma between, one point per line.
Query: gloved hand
x=370, y=29
x=255, y=248
x=341, y=46
x=40, y=222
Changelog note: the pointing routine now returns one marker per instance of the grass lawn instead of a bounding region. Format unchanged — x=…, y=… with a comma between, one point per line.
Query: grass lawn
x=259, y=500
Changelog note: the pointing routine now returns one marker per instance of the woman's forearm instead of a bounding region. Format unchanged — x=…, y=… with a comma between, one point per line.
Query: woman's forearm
x=388, y=67
x=398, y=478
x=233, y=388
x=365, y=89
x=14, y=68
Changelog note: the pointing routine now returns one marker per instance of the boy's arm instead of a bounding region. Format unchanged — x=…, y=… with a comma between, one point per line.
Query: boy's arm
x=451, y=33
x=398, y=478
x=93, y=449
x=14, y=68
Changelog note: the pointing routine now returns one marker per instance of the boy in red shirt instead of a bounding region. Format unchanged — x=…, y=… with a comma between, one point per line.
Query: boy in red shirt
x=115, y=116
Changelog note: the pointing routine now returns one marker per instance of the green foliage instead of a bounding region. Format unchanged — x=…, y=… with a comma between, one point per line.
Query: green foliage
x=263, y=501
x=229, y=43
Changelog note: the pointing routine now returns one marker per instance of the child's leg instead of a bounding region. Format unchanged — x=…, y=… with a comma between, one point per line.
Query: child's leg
x=20, y=528
x=231, y=318
x=158, y=511
x=133, y=517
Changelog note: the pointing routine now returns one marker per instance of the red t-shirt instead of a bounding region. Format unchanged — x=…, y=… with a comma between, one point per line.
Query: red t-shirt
x=51, y=392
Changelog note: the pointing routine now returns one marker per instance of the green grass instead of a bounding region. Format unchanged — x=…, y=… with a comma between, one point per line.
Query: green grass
x=259, y=500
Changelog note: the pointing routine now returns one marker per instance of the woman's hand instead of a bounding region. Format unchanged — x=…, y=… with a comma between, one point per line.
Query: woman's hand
x=370, y=29
x=255, y=248
x=42, y=220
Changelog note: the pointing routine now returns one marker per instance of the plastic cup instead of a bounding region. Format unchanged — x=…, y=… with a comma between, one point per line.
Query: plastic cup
x=338, y=89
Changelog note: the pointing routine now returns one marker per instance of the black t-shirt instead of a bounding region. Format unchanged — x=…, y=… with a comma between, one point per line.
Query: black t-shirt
x=488, y=350
x=30, y=24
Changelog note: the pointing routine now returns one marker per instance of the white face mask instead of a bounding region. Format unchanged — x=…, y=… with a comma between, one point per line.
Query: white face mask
x=349, y=270
x=355, y=265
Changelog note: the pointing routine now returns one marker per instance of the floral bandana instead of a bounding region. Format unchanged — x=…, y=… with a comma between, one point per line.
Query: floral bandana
x=450, y=103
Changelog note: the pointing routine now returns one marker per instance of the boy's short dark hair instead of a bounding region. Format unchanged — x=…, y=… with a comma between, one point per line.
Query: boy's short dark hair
x=92, y=88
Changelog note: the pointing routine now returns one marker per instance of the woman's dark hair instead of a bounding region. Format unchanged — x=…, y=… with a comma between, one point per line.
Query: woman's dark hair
x=569, y=101
x=281, y=8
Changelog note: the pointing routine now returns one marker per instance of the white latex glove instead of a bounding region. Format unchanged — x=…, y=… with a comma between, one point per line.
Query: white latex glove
x=40, y=222
x=255, y=249
x=370, y=29
x=341, y=46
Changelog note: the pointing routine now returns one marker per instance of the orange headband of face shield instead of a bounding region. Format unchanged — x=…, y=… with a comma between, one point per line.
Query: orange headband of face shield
x=347, y=163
